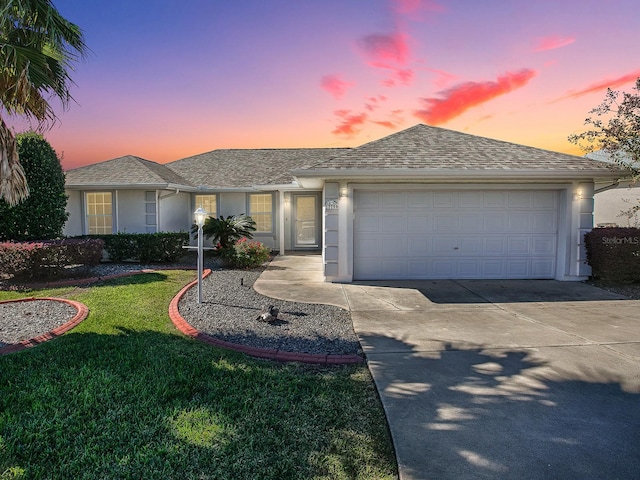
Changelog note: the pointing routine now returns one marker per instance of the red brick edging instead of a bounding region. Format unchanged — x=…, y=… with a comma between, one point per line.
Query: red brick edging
x=82, y=309
x=270, y=354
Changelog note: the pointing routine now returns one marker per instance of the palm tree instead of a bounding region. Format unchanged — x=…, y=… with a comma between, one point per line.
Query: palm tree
x=226, y=231
x=37, y=49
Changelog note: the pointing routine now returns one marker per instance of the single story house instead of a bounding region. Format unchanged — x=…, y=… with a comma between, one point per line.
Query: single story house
x=422, y=203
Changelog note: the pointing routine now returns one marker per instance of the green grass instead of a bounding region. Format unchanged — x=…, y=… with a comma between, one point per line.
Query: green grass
x=125, y=395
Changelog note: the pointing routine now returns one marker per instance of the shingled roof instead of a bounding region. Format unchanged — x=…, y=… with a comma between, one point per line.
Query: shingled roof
x=125, y=171
x=428, y=148
x=243, y=168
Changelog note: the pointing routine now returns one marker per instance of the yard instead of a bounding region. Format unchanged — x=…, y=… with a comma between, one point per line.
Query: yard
x=125, y=395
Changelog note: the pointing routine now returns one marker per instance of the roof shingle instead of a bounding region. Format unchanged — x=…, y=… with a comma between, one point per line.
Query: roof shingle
x=427, y=148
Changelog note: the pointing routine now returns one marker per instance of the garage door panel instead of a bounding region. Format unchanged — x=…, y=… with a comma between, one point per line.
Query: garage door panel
x=519, y=222
x=545, y=222
x=543, y=245
x=445, y=223
x=469, y=246
x=393, y=247
x=522, y=200
x=394, y=200
x=419, y=246
x=470, y=199
x=444, y=200
x=494, y=245
x=468, y=268
x=419, y=200
x=492, y=199
x=419, y=225
x=493, y=222
x=455, y=234
x=547, y=200
x=367, y=200
x=517, y=268
x=394, y=268
x=367, y=223
x=471, y=221
x=393, y=224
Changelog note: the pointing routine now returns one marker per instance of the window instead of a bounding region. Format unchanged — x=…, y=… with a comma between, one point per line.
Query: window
x=209, y=203
x=99, y=213
x=261, y=210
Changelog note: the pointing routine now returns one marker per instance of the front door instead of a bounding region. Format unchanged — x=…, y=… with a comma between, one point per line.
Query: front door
x=306, y=231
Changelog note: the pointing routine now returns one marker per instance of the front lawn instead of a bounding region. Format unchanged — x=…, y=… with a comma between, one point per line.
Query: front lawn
x=125, y=395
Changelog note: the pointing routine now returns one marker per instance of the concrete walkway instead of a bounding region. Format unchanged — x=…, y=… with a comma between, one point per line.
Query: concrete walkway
x=493, y=379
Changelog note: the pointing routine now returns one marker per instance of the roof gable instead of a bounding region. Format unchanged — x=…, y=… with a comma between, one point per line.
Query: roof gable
x=427, y=148
x=127, y=170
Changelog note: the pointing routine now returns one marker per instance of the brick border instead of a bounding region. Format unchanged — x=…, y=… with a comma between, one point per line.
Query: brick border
x=82, y=313
x=269, y=354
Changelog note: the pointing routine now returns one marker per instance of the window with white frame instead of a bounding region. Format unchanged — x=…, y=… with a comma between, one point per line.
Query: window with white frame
x=99, y=213
x=209, y=203
x=261, y=211
x=151, y=221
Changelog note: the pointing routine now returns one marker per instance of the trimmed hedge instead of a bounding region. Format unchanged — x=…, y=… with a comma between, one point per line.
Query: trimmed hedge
x=614, y=254
x=159, y=247
x=47, y=258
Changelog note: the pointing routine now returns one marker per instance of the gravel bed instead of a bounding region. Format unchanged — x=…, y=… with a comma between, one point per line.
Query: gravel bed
x=231, y=306
x=26, y=320
x=228, y=312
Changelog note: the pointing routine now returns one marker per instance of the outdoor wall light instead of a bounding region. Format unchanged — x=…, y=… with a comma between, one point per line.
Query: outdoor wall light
x=344, y=192
x=578, y=194
x=200, y=215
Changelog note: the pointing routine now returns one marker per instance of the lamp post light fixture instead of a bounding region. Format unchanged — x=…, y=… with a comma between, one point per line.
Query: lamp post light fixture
x=200, y=216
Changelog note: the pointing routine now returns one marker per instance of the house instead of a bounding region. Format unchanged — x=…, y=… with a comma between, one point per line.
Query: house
x=614, y=201
x=422, y=203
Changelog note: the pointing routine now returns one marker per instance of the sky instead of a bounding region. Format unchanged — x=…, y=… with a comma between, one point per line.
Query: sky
x=168, y=79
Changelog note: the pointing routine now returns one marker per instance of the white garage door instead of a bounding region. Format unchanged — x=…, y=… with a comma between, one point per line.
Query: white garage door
x=455, y=234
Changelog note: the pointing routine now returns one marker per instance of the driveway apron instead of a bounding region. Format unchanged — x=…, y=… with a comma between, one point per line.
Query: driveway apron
x=529, y=379
x=504, y=379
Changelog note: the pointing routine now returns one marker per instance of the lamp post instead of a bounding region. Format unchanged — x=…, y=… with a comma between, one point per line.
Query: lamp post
x=200, y=215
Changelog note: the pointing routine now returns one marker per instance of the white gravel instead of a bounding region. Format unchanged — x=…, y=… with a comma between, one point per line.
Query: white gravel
x=26, y=320
x=231, y=306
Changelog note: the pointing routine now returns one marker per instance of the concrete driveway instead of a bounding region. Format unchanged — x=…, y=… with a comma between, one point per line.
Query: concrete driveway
x=493, y=379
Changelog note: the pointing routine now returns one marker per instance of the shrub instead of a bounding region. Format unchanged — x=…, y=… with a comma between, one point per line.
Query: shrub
x=614, y=254
x=159, y=247
x=42, y=215
x=246, y=254
x=47, y=258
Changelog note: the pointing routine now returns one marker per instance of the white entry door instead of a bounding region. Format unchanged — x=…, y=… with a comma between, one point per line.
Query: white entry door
x=305, y=221
x=424, y=234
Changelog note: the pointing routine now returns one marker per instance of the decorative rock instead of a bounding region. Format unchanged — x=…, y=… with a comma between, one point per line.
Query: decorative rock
x=269, y=315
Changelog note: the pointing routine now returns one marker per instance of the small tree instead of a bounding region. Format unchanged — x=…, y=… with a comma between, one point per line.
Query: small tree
x=43, y=214
x=226, y=231
x=615, y=129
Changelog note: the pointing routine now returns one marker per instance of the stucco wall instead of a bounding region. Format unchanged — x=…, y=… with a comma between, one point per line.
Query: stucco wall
x=73, y=226
x=610, y=203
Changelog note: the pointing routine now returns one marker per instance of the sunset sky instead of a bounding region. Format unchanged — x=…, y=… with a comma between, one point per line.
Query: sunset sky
x=167, y=79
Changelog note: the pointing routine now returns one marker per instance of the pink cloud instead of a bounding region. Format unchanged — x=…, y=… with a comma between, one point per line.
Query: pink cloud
x=385, y=123
x=404, y=7
x=462, y=97
x=335, y=85
x=385, y=51
x=349, y=123
x=604, y=84
x=552, y=42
